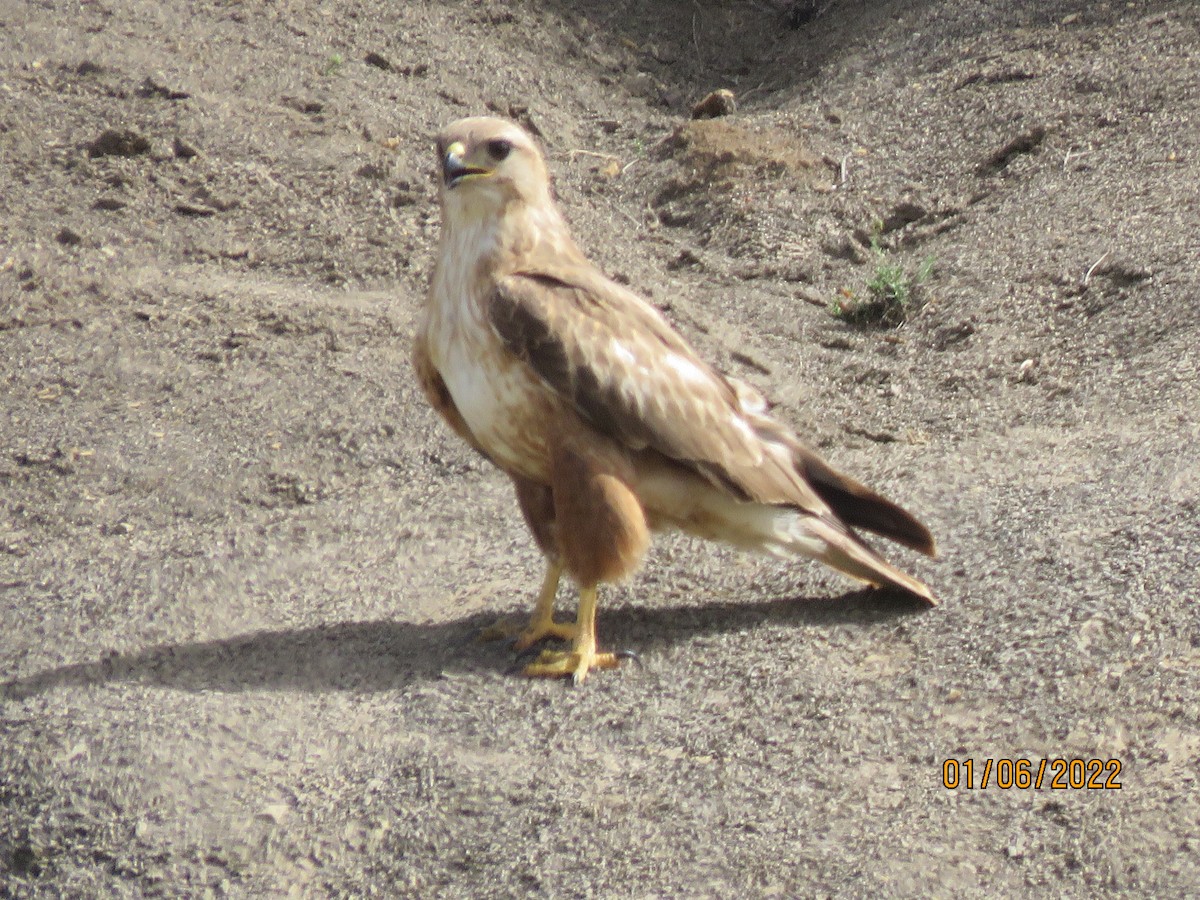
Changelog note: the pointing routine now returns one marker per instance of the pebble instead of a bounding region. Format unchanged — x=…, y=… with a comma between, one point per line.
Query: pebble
x=718, y=103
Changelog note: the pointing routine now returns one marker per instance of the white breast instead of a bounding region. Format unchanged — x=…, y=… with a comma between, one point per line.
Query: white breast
x=498, y=398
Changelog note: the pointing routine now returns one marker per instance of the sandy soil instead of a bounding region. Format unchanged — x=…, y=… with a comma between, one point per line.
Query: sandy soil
x=242, y=564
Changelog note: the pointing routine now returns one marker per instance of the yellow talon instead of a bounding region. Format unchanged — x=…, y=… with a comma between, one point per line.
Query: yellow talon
x=561, y=663
x=582, y=657
x=576, y=662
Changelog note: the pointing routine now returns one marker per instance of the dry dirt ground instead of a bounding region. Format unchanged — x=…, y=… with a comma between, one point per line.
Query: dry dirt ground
x=242, y=565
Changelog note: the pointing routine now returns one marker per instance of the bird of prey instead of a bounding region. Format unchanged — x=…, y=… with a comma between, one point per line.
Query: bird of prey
x=607, y=421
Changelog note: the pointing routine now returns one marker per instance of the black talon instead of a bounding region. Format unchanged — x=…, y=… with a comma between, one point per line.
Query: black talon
x=630, y=655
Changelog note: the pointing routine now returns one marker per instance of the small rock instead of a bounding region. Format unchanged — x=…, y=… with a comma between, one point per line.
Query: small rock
x=275, y=812
x=68, y=237
x=119, y=143
x=24, y=859
x=182, y=149
x=1017, y=847
x=718, y=103
x=308, y=107
x=371, y=170
x=378, y=61
x=109, y=204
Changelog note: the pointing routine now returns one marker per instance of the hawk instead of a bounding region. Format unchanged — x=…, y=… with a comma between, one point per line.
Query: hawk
x=609, y=424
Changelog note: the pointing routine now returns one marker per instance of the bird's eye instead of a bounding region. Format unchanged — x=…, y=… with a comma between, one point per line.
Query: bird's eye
x=499, y=148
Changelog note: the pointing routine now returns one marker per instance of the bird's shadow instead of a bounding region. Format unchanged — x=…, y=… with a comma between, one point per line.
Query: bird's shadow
x=386, y=654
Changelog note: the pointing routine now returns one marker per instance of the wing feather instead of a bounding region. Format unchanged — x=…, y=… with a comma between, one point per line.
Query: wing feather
x=631, y=377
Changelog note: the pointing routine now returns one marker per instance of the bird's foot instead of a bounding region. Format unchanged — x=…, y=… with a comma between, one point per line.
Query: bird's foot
x=534, y=633
x=575, y=663
x=539, y=631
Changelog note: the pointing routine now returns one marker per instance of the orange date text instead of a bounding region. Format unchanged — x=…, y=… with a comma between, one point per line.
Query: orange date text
x=1025, y=774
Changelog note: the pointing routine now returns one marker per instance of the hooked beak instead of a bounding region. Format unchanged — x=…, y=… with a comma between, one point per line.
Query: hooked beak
x=455, y=169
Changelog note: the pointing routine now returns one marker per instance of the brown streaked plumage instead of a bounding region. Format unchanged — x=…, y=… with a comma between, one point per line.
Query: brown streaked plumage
x=608, y=422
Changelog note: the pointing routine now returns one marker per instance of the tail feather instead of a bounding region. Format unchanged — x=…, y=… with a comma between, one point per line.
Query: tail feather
x=859, y=506
x=844, y=551
x=851, y=500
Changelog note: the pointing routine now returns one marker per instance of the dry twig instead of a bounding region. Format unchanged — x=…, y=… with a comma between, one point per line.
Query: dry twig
x=1088, y=277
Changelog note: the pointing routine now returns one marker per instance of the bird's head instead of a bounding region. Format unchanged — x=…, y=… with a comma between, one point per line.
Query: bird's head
x=488, y=163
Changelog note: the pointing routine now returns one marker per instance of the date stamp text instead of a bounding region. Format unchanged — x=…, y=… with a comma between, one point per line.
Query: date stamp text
x=1025, y=774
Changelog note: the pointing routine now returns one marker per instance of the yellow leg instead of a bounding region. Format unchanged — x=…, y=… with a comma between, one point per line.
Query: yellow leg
x=541, y=623
x=582, y=657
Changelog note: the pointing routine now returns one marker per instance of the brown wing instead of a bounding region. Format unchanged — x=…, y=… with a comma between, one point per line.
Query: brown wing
x=631, y=377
